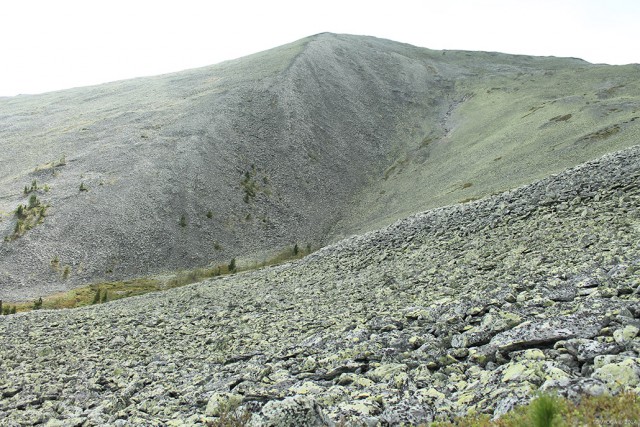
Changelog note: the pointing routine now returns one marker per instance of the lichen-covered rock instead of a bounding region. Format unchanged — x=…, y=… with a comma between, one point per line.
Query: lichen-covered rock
x=291, y=412
x=618, y=376
x=585, y=324
x=625, y=335
x=446, y=312
x=222, y=402
x=585, y=350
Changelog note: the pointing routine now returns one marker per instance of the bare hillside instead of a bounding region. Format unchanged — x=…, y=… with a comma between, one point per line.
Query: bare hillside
x=302, y=144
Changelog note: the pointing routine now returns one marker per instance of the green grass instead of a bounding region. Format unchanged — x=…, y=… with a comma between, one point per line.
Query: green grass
x=551, y=411
x=95, y=293
x=545, y=411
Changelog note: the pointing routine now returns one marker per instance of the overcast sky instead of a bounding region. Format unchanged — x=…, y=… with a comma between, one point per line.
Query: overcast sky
x=48, y=45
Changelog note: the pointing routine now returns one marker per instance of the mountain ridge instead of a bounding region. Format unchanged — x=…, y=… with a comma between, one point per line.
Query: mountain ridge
x=303, y=144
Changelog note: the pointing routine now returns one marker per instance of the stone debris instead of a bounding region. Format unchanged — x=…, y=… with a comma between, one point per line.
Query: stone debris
x=465, y=308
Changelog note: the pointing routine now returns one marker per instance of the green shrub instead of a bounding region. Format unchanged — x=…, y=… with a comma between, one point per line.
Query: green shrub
x=295, y=249
x=543, y=410
x=33, y=201
x=37, y=305
x=96, y=297
x=13, y=310
x=83, y=187
x=183, y=221
x=230, y=416
x=209, y=214
x=104, y=297
x=232, y=266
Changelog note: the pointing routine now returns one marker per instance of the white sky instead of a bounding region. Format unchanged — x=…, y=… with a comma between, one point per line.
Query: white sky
x=48, y=45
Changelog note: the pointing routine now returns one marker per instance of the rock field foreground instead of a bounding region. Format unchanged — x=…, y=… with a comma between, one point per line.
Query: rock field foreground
x=470, y=307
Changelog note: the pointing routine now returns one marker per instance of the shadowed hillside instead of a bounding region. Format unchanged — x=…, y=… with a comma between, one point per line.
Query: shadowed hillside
x=302, y=144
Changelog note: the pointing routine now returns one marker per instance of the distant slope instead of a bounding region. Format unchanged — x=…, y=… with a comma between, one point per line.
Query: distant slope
x=304, y=143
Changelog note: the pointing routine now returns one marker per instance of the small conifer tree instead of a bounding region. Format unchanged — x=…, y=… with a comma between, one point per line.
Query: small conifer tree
x=33, y=201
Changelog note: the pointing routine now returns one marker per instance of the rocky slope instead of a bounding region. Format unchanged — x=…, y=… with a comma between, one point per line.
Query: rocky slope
x=470, y=307
x=306, y=143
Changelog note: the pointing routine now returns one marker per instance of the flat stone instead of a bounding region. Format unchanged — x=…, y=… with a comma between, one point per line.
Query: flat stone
x=585, y=350
x=545, y=332
x=625, y=335
x=292, y=411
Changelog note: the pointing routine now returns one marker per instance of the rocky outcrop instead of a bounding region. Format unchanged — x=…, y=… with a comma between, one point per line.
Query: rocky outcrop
x=470, y=307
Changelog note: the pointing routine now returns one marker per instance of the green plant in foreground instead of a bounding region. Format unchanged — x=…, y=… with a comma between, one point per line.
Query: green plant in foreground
x=37, y=305
x=183, y=221
x=546, y=410
x=543, y=410
x=230, y=416
x=83, y=187
x=232, y=266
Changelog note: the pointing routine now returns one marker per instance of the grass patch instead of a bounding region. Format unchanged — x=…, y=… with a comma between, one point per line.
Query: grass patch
x=27, y=217
x=110, y=291
x=52, y=164
x=551, y=411
x=230, y=416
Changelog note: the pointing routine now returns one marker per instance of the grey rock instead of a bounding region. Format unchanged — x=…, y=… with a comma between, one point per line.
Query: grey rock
x=585, y=324
x=291, y=412
x=586, y=350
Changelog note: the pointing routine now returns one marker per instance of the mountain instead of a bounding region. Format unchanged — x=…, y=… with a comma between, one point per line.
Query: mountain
x=473, y=219
x=469, y=308
x=307, y=143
